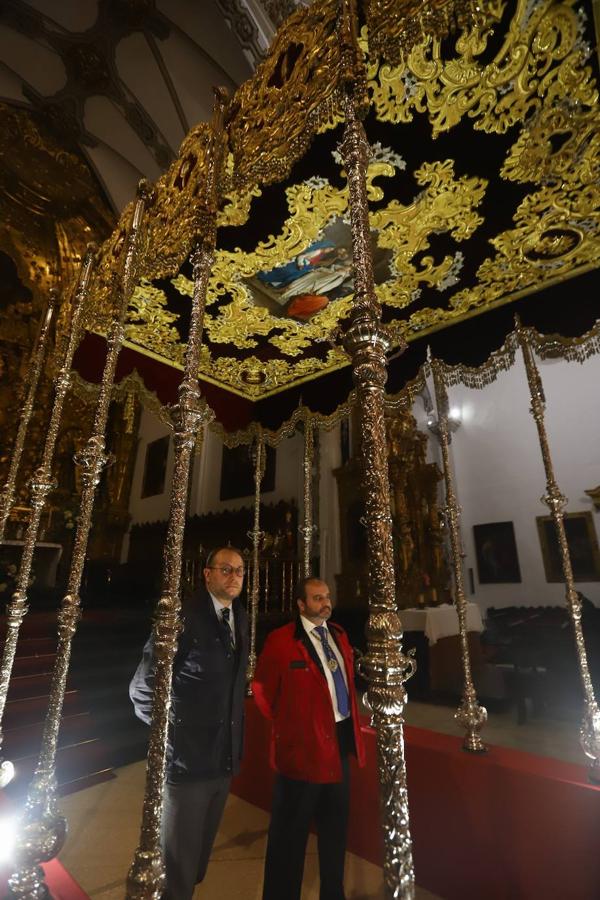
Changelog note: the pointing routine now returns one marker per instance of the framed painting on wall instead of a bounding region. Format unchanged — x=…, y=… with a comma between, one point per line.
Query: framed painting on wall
x=496, y=551
x=237, y=472
x=155, y=467
x=582, y=542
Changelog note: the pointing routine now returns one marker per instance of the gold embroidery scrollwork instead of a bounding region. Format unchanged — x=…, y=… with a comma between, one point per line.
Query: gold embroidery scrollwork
x=540, y=61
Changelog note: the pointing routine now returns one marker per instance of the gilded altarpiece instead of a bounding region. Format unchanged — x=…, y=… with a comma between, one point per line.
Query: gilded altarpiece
x=58, y=523
x=421, y=570
x=418, y=529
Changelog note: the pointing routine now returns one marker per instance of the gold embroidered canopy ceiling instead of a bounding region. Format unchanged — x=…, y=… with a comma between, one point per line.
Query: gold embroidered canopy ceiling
x=483, y=182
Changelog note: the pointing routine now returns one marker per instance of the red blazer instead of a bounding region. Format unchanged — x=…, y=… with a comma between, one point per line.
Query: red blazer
x=290, y=689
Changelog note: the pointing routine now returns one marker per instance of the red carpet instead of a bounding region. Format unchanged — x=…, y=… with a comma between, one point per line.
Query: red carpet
x=62, y=886
x=504, y=826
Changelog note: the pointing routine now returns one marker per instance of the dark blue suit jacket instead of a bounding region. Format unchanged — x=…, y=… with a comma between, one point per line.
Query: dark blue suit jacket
x=207, y=699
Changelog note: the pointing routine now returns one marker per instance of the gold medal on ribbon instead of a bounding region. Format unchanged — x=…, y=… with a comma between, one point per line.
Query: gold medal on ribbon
x=332, y=665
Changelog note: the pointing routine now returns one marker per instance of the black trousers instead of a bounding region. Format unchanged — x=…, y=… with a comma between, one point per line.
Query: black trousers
x=191, y=816
x=295, y=805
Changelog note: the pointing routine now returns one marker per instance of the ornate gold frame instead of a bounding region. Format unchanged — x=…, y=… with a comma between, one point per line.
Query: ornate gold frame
x=588, y=518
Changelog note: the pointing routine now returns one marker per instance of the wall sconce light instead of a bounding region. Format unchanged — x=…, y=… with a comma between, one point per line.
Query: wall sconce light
x=454, y=420
x=454, y=414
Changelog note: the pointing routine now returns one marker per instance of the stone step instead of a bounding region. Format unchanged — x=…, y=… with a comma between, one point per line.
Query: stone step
x=34, y=664
x=74, y=762
x=28, y=710
x=25, y=740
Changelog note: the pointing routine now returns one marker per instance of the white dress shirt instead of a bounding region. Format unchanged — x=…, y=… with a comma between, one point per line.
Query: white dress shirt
x=310, y=627
x=219, y=607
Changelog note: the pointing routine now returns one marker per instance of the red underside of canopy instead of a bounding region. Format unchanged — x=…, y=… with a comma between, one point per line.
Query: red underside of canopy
x=230, y=410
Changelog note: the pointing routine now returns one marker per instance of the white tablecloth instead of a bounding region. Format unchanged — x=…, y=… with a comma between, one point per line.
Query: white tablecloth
x=440, y=621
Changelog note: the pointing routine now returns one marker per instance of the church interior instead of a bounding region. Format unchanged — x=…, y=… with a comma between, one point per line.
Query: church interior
x=318, y=281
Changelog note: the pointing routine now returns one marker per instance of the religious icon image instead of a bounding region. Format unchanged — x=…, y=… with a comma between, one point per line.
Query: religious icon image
x=583, y=547
x=319, y=274
x=496, y=550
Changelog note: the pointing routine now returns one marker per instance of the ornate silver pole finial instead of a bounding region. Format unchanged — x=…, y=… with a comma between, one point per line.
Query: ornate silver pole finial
x=470, y=715
x=42, y=482
x=255, y=535
x=385, y=666
x=556, y=503
x=43, y=828
x=145, y=880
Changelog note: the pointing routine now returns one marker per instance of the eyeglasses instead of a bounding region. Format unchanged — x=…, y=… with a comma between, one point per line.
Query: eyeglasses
x=229, y=570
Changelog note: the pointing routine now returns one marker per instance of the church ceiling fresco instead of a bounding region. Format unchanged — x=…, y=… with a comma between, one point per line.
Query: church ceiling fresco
x=484, y=187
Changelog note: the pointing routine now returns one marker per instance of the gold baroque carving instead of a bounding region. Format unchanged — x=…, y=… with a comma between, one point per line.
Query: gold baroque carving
x=540, y=60
x=396, y=25
x=255, y=378
x=276, y=113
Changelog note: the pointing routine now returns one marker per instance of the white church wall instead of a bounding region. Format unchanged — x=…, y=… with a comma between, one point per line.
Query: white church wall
x=149, y=509
x=329, y=515
x=206, y=476
x=499, y=471
x=497, y=463
x=288, y=476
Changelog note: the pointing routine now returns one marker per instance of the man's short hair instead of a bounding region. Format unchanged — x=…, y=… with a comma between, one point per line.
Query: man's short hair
x=213, y=554
x=300, y=587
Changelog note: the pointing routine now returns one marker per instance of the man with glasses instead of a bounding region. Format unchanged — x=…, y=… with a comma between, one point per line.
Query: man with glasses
x=207, y=716
x=304, y=683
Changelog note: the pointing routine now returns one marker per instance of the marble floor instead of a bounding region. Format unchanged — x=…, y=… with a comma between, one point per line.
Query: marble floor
x=104, y=819
x=104, y=831
x=544, y=736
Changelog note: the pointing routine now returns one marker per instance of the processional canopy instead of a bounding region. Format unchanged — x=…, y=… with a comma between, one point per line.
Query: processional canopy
x=484, y=128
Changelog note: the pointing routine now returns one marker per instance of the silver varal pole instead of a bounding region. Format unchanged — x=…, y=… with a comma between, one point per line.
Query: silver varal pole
x=41, y=485
x=43, y=828
x=256, y=535
x=307, y=528
x=470, y=714
x=385, y=665
x=146, y=877
x=556, y=503
x=34, y=371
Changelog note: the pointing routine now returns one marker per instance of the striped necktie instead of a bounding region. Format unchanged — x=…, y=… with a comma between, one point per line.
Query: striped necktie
x=341, y=691
x=225, y=616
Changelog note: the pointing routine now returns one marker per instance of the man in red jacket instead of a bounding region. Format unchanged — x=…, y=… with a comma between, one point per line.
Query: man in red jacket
x=304, y=683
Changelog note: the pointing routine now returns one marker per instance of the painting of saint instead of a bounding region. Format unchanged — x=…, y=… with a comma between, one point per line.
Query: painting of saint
x=319, y=274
